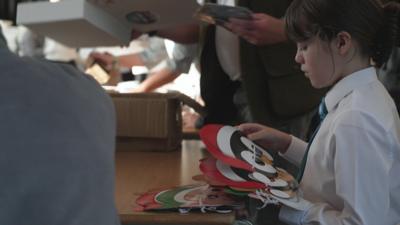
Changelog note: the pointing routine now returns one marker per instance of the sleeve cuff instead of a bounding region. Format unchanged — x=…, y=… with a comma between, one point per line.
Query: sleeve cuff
x=291, y=216
x=295, y=151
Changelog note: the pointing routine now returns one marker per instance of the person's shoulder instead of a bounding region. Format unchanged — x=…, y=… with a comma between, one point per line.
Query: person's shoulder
x=368, y=108
x=40, y=77
x=41, y=69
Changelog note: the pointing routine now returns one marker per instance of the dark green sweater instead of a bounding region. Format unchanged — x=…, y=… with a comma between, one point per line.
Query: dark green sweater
x=277, y=90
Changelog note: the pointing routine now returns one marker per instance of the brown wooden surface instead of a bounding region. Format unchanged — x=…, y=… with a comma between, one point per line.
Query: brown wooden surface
x=138, y=172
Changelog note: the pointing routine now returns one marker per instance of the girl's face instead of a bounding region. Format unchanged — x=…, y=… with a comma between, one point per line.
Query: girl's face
x=319, y=61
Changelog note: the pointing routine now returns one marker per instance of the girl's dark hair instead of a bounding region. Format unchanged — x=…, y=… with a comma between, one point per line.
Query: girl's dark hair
x=374, y=26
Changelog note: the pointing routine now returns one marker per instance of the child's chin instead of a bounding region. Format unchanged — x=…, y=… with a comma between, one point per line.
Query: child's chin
x=316, y=85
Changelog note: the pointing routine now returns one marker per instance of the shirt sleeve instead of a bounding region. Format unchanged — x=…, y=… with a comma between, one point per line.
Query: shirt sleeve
x=155, y=53
x=362, y=179
x=296, y=151
x=182, y=57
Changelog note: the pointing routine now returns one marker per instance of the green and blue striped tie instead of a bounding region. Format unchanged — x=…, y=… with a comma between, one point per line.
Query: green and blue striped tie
x=322, y=112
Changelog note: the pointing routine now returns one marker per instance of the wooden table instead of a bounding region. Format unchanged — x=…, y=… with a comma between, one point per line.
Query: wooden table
x=138, y=172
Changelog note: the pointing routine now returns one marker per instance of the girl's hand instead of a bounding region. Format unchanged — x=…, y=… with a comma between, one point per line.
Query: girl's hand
x=267, y=137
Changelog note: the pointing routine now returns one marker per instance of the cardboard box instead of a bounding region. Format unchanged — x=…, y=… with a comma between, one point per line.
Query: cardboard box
x=90, y=23
x=150, y=121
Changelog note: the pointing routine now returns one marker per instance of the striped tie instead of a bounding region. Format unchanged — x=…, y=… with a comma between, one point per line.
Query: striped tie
x=322, y=112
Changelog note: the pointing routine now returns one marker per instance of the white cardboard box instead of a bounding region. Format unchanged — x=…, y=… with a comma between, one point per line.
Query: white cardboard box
x=87, y=23
x=165, y=12
x=75, y=23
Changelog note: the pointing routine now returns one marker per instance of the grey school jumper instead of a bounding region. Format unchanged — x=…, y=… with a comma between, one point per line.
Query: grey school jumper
x=57, y=130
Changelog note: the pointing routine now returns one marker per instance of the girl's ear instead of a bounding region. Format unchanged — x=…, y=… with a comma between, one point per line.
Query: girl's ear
x=344, y=42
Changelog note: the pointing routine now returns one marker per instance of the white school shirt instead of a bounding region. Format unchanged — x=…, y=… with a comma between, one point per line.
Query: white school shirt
x=353, y=166
x=182, y=57
x=227, y=47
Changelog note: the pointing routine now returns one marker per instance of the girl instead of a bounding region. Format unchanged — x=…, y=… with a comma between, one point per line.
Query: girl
x=351, y=165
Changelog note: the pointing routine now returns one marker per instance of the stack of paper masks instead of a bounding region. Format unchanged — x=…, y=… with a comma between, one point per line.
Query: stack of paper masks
x=245, y=168
x=201, y=197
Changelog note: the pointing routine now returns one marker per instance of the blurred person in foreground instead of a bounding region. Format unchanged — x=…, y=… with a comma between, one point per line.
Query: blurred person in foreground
x=57, y=139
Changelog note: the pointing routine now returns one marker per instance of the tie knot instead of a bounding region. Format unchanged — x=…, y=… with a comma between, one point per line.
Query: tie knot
x=322, y=110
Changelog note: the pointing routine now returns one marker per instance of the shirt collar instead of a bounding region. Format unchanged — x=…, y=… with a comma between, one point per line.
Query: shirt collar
x=349, y=83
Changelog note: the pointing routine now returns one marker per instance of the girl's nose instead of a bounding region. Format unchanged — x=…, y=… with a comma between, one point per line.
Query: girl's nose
x=298, y=57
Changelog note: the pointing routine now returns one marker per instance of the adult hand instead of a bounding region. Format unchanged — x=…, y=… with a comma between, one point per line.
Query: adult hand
x=267, y=137
x=104, y=59
x=135, y=34
x=262, y=29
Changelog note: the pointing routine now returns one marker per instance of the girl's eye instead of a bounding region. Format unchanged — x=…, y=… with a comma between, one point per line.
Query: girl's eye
x=302, y=47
